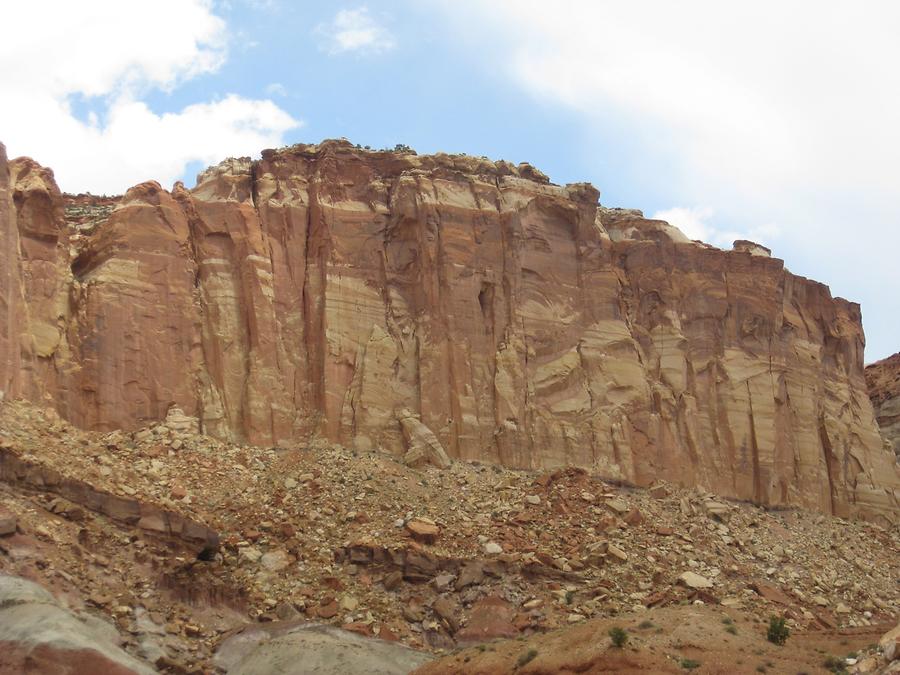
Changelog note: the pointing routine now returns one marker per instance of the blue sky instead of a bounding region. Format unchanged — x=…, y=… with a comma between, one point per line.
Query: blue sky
x=771, y=121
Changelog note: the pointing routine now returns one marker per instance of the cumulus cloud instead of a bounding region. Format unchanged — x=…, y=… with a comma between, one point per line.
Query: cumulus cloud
x=109, y=55
x=764, y=112
x=355, y=30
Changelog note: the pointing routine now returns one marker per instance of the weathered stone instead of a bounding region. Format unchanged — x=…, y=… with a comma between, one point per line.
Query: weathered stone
x=890, y=644
x=249, y=554
x=313, y=648
x=448, y=610
x=276, y=561
x=694, y=580
x=8, y=522
x=348, y=603
x=616, y=553
x=659, y=491
x=38, y=636
x=493, y=548
x=491, y=617
x=634, y=517
x=422, y=446
x=617, y=505
x=423, y=530
x=443, y=582
x=471, y=574
x=392, y=580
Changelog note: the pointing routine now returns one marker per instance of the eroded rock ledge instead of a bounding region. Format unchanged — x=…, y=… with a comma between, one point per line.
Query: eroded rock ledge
x=326, y=289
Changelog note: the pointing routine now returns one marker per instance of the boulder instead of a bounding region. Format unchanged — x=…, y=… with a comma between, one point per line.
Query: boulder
x=39, y=637
x=280, y=649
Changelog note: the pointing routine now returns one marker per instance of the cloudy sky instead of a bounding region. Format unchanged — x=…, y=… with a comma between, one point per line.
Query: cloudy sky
x=774, y=121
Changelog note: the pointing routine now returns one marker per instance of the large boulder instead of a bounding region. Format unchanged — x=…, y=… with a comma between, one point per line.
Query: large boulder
x=39, y=637
x=295, y=648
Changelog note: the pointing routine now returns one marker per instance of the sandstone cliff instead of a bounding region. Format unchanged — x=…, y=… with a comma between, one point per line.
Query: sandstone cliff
x=883, y=379
x=325, y=289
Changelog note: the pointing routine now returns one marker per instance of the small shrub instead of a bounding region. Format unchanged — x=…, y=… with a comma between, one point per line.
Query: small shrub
x=761, y=668
x=619, y=636
x=731, y=628
x=646, y=624
x=689, y=664
x=570, y=595
x=835, y=665
x=778, y=632
x=527, y=657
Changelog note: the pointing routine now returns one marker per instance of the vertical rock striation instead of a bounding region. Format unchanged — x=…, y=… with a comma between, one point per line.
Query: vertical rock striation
x=362, y=295
x=883, y=379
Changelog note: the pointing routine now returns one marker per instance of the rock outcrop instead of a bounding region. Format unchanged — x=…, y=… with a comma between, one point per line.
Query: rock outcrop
x=326, y=289
x=276, y=649
x=883, y=379
x=40, y=637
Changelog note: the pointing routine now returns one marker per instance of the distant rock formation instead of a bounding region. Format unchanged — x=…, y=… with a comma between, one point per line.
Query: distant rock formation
x=327, y=289
x=883, y=379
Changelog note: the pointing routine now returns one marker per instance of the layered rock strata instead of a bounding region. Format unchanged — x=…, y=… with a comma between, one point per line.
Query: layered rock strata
x=361, y=295
x=883, y=380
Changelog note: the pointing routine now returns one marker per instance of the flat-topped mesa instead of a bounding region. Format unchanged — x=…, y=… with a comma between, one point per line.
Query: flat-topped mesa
x=390, y=300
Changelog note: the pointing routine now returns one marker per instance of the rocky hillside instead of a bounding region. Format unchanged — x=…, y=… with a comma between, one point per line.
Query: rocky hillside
x=883, y=379
x=438, y=307
x=194, y=555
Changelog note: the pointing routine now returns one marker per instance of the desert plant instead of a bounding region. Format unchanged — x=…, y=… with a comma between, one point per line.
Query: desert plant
x=778, y=632
x=526, y=657
x=689, y=664
x=618, y=636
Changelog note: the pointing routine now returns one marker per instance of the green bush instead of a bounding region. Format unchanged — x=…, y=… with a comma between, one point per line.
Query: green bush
x=619, y=636
x=778, y=632
x=526, y=657
x=689, y=664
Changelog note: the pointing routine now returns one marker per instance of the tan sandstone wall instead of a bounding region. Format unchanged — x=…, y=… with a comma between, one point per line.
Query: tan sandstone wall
x=883, y=379
x=332, y=290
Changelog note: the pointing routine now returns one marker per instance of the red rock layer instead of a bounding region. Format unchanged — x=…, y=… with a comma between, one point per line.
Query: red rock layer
x=332, y=290
x=883, y=380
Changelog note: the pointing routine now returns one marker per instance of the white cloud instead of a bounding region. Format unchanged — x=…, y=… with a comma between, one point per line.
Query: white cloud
x=764, y=112
x=113, y=53
x=355, y=30
x=690, y=220
x=697, y=223
x=276, y=89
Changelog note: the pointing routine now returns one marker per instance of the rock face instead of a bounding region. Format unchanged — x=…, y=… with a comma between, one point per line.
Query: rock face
x=278, y=649
x=438, y=304
x=883, y=379
x=38, y=636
